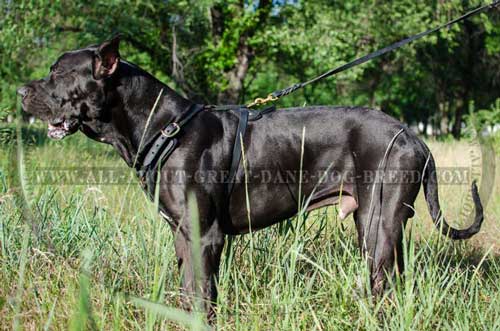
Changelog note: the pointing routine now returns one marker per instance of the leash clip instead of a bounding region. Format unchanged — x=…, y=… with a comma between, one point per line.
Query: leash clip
x=176, y=130
x=262, y=101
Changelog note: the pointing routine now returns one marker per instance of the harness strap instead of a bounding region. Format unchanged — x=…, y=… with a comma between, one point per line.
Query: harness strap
x=237, y=148
x=148, y=176
x=245, y=115
x=157, y=144
x=161, y=146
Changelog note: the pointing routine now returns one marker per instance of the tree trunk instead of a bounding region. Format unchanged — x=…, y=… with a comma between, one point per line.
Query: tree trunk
x=460, y=110
x=236, y=76
x=244, y=54
x=444, y=120
x=467, y=77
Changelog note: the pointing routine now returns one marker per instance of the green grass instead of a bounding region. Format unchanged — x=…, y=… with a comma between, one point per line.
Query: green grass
x=99, y=257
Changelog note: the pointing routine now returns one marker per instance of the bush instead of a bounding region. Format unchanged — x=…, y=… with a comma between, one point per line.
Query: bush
x=483, y=119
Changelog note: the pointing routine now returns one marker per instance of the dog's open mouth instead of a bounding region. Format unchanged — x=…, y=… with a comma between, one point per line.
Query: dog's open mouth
x=60, y=129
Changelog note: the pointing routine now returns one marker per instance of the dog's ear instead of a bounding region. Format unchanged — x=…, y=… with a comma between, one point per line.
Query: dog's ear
x=107, y=58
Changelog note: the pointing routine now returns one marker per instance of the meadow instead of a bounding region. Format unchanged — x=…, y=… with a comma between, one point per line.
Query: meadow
x=97, y=256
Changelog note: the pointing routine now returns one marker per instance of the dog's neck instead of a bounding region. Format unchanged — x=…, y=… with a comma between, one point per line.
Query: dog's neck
x=126, y=114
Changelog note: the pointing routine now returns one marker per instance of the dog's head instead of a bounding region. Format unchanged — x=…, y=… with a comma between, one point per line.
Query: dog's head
x=74, y=90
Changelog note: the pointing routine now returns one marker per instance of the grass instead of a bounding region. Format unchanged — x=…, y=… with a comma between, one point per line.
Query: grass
x=99, y=257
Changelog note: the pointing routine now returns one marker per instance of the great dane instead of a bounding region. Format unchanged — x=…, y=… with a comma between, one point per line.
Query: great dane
x=113, y=102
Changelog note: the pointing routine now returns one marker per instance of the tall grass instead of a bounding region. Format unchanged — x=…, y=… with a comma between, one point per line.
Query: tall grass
x=94, y=262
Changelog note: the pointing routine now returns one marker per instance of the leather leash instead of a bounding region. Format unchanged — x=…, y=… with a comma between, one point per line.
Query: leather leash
x=274, y=96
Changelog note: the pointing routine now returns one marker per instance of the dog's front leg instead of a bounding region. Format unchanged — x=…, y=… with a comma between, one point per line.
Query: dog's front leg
x=211, y=245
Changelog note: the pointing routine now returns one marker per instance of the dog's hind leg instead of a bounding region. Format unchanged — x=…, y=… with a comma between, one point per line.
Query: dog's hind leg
x=380, y=238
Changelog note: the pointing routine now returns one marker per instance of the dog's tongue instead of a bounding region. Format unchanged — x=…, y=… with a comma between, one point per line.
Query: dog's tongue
x=57, y=131
x=54, y=127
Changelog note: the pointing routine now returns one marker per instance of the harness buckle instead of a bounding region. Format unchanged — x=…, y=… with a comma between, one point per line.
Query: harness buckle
x=175, y=131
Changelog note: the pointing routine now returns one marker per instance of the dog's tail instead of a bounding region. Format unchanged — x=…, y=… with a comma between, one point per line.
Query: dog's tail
x=431, y=196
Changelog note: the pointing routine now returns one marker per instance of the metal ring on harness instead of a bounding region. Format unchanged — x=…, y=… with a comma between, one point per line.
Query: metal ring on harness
x=173, y=133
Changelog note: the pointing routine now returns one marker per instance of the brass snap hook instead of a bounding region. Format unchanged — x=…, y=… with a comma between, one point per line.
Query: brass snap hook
x=262, y=101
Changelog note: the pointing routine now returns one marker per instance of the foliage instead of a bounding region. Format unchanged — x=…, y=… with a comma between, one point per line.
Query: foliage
x=484, y=119
x=23, y=26
x=232, y=51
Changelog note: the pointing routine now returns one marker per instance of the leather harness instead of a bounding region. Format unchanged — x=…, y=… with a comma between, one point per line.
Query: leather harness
x=159, y=147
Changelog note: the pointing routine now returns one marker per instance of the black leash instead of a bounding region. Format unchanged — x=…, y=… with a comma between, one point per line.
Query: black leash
x=281, y=93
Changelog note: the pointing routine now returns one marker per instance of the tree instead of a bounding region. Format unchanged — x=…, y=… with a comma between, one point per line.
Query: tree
x=217, y=51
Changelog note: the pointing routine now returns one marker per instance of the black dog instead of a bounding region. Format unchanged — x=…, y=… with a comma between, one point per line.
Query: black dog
x=111, y=100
